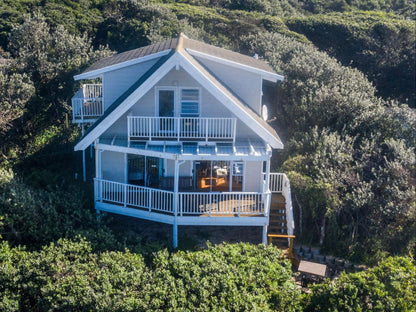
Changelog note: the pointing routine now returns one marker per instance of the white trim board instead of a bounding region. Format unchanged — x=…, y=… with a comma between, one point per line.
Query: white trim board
x=265, y=74
x=98, y=72
x=182, y=220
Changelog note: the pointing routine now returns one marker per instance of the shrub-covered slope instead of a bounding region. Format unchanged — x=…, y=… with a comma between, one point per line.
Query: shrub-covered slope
x=349, y=153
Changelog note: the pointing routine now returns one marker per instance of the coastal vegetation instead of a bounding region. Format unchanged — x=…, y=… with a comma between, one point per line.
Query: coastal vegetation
x=345, y=111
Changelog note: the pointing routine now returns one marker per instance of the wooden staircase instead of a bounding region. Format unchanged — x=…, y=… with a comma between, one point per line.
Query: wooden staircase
x=281, y=223
x=277, y=219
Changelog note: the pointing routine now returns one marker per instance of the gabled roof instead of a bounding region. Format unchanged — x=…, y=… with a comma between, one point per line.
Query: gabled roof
x=159, y=49
x=179, y=57
x=129, y=91
x=120, y=58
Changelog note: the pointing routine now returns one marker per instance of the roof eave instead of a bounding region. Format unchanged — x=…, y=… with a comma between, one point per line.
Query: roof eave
x=271, y=76
x=98, y=72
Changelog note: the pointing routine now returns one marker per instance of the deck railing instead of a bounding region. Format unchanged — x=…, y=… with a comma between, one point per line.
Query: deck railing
x=134, y=195
x=87, y=103
x=276, y=182
x=199, y=128
x=189, y=203
x=235, y=203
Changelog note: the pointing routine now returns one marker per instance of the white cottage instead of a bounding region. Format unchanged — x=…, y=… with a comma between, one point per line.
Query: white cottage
x=180, y=137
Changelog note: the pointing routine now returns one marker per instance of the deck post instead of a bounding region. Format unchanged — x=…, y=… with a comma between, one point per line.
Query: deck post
x=84, y=171
x=267, y=177
x=264, y=238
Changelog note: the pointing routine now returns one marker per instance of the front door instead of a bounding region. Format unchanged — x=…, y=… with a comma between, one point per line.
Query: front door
x=154, y=171
x=166, y=110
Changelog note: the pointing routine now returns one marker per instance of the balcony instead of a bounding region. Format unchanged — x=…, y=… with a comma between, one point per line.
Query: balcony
x=87, y=104
x=181, y=128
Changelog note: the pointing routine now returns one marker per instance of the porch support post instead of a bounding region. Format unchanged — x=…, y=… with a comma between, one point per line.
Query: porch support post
x=264, y=238
x=98, y=171
x=267, y=178
x=84, y=171
x=175, y=205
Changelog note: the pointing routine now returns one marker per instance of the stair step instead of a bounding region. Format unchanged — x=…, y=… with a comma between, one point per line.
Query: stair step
x=273, y=213
x=276, y=213
x=274, y=221
x=277, y=217
x=276, y=227
x=277, y=232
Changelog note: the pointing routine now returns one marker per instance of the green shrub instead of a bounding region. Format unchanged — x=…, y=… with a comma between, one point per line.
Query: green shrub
x=69, y=276
x=390, y=286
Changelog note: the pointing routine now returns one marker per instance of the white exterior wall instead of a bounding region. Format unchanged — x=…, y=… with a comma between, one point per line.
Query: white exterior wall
x=246, y=85
x=253, y=177
x=113, y=166
x=146, y=106
x=116, y=82
x=185, y=170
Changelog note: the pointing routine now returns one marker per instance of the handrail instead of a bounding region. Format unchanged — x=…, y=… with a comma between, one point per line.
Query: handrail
x=290, y=237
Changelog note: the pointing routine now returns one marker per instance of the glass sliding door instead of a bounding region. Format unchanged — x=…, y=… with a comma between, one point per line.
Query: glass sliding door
x=212, y=176
x=144, y=171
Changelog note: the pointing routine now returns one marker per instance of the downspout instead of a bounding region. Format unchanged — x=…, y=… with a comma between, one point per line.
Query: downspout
x=175, y=202
x=267, y=193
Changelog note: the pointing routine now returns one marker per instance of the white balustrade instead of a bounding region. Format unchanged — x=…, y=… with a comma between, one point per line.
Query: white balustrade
x=276, y=182
x=87, y=103
x=181, y=128
x=190, y=203
x=226, y=203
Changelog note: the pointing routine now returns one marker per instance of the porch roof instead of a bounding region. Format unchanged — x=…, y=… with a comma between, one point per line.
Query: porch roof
x=241, y=149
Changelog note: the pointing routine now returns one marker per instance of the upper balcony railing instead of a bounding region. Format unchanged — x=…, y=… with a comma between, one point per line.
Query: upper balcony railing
x=87, y=103
x=179, y=128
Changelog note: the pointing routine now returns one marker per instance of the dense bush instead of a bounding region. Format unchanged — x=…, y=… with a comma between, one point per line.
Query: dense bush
x=350, y=155
x=389, y=286
x=381, y=46
x=69, y=276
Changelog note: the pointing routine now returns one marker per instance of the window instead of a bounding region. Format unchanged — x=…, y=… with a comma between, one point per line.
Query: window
x=189, y=103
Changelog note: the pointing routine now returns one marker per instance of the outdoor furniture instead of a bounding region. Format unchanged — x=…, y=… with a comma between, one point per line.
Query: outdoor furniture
x=312, y=272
